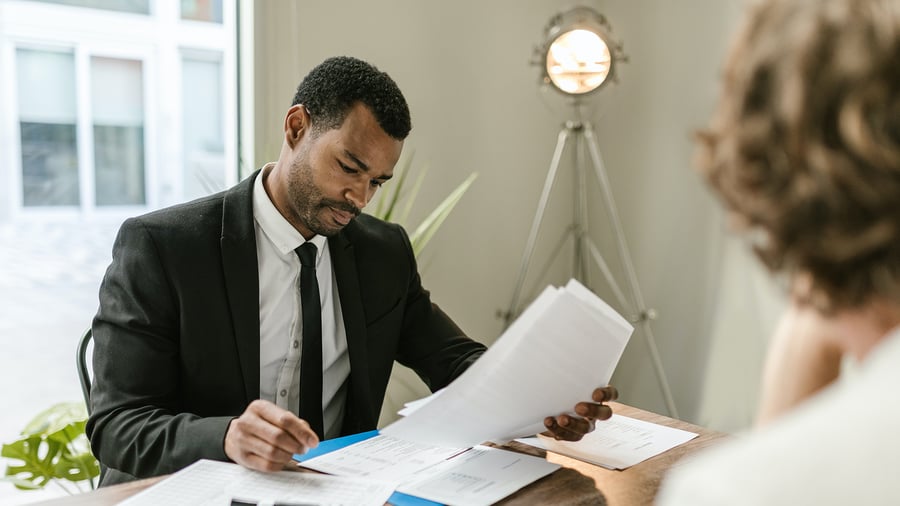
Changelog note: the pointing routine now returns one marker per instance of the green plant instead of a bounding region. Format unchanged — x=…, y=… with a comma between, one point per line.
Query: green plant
x=386, y=207
x=53, y=447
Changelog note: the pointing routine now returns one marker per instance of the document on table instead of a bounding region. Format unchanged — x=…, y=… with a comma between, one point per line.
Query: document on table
x=211, y=483
x=474, y=476
x=617, y=443
x=566, y=343
x=381, y=457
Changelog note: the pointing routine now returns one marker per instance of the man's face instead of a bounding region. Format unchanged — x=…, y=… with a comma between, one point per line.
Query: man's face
x=335, y=173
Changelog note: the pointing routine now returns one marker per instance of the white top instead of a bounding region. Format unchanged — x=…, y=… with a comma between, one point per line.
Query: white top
x=280, y=316
x=840, y=447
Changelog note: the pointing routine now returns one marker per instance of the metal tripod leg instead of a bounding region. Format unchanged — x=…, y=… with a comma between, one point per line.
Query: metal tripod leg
x=584, y=248
x=536, y=224
x=642, y=314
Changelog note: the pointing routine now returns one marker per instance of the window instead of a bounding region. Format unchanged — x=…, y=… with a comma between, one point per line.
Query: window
x=204, y=151
x=51, y=172
x=202, y=10
x=135, y=6
x=45, y=81
x=117, y=103
x=108, y=109
x=124, y=113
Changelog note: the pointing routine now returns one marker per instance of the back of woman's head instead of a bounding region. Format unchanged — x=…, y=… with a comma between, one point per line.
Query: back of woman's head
x=804, y=147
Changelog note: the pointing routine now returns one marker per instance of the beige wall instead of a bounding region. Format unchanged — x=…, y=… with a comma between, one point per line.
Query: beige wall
x=476, y=106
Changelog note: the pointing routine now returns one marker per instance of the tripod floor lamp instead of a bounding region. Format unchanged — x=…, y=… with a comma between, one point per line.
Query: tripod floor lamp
x=578, y=58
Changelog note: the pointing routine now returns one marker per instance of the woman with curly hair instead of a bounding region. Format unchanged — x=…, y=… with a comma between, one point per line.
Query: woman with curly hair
x=804, y=152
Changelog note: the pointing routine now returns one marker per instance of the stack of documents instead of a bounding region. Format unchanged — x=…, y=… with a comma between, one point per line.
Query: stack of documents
x=210, y=483
x=565, y=344
x=469, y=476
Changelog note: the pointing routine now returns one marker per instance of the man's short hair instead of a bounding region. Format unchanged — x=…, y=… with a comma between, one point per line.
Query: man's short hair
x=804, y=147
x=334, y=86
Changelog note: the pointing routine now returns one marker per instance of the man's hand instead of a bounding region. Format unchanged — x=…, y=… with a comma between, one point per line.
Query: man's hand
x=573, y=428
x=265, y=437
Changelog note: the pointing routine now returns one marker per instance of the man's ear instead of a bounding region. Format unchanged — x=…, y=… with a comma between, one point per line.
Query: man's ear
x=296, y=124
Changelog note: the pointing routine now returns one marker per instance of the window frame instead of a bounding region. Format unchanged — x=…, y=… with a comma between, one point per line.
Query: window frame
x=156, y=40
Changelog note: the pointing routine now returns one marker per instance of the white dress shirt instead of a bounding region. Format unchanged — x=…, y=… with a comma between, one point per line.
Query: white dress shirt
x=280, y=316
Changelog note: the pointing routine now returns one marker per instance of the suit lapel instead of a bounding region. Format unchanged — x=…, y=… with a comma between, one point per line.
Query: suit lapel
x=359, y=402
x=238, y=243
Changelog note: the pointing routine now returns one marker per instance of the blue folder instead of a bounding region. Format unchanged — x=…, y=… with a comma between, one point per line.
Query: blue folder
x=330, y=445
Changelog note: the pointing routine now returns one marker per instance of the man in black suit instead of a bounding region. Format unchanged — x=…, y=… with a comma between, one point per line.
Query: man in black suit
x=198, y=337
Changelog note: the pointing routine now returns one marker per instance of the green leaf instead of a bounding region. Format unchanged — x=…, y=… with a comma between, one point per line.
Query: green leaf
x=76, y=467
x=385, y=208
x=36, y=461
x=70, y=433
x=55, y=418
x=20, y=484
x=429, y=226
x=53, y=446
x=412, y=196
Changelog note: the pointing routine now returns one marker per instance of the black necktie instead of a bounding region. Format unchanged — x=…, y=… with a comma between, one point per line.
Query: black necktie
x=311, y=354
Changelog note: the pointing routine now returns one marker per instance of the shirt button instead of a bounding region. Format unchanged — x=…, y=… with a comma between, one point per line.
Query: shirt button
x=296, y=345
x=283, y=393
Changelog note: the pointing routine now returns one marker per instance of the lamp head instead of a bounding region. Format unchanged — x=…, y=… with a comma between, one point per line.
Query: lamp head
x=578, y=55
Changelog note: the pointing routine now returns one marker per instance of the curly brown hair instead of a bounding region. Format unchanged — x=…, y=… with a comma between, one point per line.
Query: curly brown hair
x=804, y=146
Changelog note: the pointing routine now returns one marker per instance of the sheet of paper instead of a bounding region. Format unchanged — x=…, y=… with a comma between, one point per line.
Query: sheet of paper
x=482, y=475
x=566, y=343
x=618, y=443
x=381, y=457
x=210, y=483
x=412, y=406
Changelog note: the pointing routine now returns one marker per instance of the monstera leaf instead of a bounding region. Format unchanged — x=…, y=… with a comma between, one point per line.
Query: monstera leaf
x=52, y=447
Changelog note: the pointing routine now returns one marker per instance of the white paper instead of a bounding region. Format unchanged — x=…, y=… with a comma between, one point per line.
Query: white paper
x=617, y=443
x=481, y=475
x=210, y=483
x=412, y=406
x=381, y=457
x=566, y=343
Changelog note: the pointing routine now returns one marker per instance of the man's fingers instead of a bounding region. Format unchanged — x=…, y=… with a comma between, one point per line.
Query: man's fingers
x=267, y=451
x=591, y=410
x=244, y=446
x=259, y=463
x=279, y=438
x=605, y=394
x=568, y=428
x=291, y=425
x=265, y=437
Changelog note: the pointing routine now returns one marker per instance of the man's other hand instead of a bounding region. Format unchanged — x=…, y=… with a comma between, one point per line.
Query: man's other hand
x=566, y=427
x=265, y=437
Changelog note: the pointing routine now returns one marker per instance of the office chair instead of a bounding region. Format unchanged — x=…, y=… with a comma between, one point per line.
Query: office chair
x=84, y=375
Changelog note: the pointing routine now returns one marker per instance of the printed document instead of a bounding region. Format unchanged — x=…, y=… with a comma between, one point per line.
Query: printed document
x=617, y=443
x=211, y=483
x=566, y=343
x=474, y=476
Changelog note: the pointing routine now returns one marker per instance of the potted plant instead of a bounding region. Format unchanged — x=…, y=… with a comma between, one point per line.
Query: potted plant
x=53, y=448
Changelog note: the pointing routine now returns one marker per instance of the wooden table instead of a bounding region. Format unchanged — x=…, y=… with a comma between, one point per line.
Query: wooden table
x=576, y=483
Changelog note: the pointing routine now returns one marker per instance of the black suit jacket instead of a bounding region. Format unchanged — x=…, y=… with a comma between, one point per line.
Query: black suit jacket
x=176, y=353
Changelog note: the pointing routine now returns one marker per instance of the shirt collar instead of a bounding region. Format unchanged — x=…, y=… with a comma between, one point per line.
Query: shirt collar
x=283, y=235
